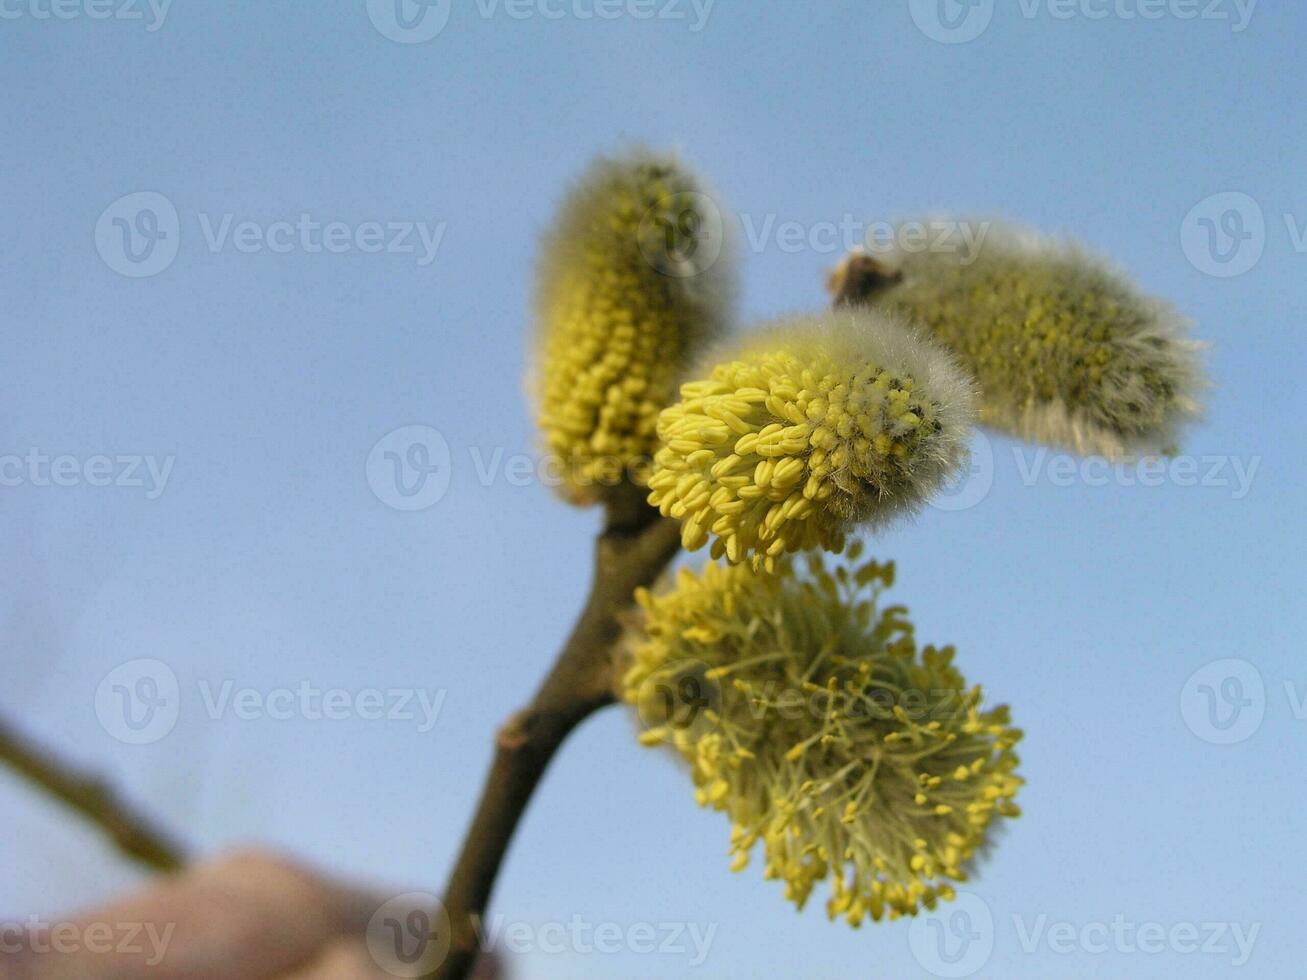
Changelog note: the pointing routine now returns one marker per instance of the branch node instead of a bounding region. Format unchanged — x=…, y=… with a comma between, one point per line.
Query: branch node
x=515, y=732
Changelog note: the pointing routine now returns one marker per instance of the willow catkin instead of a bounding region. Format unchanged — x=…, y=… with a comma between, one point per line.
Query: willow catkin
x=809, y=428
x=632, y=285
x=1065, y=349
x=809, y=715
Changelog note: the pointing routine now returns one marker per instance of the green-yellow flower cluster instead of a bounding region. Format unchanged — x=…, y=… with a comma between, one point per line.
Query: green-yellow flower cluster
x=813, y=720
x=631, y=287
x=813, y=426
x=1065, y=349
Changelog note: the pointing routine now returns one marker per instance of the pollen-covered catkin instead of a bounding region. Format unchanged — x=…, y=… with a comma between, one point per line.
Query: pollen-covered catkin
x=811, y=427
x=632, y=285
x=810, y=716
x=1065, y=349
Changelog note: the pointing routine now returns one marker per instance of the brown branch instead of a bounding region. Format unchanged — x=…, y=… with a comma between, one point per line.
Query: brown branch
x=93, y=799
x=635, y=546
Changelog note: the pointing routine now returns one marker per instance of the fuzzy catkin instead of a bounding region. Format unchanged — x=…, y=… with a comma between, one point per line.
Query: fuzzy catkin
x=810, y=716
x=811, y=427
x=631, y=287
x=1065, y=349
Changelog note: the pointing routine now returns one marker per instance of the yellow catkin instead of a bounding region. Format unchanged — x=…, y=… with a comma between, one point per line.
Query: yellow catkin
x=813, y=720
x=1065, y=349
x=632, y=285
x=813, y=426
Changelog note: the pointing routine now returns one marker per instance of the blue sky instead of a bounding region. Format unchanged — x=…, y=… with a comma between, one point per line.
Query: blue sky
x=256, y=374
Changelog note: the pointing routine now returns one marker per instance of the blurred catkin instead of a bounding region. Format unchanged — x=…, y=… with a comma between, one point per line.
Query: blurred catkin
x=811, y=718
x=1065, y=349
x=810, y=427
x=632, y=285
